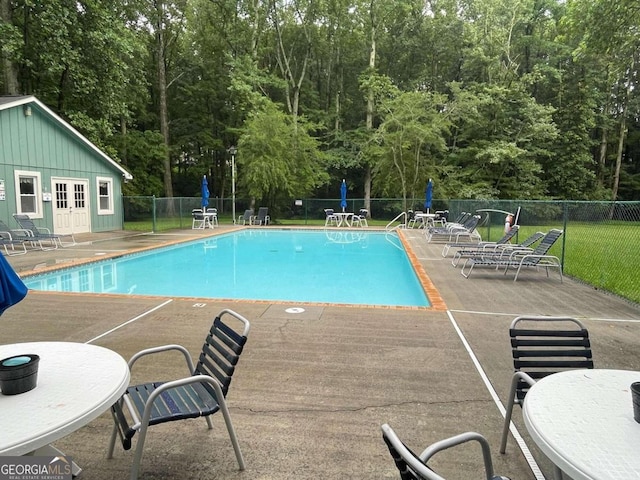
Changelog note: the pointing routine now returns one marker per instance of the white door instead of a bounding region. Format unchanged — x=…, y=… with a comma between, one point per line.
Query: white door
x=70, y=206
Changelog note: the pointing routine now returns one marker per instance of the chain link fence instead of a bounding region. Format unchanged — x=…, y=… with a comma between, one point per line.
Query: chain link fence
x=600, y=245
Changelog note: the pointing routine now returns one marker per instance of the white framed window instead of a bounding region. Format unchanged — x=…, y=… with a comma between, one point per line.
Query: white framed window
x=28, y=193
x=105, y=195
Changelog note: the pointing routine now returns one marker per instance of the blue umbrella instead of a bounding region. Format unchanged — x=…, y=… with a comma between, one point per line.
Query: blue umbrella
x=12, y=290
x=428, y=195
x=343, y=195
x=205, y=192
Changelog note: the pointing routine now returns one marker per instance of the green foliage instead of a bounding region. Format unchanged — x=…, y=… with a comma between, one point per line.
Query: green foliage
x=535, y=90
x=502, y=136
x=278, y=159
x=408, y=142
x=143, y=153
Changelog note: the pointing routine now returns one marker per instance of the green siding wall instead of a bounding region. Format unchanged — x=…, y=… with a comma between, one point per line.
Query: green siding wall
x=40, y=143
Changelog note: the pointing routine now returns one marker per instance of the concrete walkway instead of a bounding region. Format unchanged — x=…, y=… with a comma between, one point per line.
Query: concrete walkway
x=312, y=389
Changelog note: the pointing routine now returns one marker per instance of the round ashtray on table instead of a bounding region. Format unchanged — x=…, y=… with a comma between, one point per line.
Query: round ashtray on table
x=19, y=374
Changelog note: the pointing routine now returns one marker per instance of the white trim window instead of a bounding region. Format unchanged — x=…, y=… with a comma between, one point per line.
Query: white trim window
x=28, y=193
x=104, y=187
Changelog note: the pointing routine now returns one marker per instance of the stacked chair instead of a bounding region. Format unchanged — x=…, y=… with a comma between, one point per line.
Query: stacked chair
x=455, y=232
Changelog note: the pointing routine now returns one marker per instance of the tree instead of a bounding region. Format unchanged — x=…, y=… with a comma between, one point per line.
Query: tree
x=411, y=138
x=9, y=48
x=501, y=142
x=278, y=159
x=608, y=31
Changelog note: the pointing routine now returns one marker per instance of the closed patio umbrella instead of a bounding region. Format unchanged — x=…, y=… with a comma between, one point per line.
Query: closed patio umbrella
x=205, y=192
x=343, y=195
x=428, y=195
x=12, y=290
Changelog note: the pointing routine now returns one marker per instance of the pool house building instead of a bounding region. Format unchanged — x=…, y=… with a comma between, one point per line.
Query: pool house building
x=51, y=172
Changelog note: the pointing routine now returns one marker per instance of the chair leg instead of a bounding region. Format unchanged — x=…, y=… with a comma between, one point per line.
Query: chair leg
x=508, y=414
x=230, y=429
x=112, y=442
x=557, y=473
x=517, y=376
x=137, y=457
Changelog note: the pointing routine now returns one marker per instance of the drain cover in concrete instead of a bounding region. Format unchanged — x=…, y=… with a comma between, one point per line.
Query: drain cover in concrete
x=294, y=310
x=308, y=312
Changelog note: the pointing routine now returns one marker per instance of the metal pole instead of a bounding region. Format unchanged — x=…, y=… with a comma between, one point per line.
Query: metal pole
x=233, y=184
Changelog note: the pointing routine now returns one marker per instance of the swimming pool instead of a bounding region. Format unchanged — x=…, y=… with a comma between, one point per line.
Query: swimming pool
x=309, y=266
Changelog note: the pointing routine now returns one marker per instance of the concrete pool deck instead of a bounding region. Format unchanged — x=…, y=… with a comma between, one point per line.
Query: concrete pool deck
x=312, y=389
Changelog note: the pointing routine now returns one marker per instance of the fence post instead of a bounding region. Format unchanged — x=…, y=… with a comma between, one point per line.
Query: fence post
x=564, y=230
x=153, y=210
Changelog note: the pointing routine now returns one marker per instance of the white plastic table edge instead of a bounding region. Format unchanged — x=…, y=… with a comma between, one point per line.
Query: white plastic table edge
x=617, y=383
x=118, y=373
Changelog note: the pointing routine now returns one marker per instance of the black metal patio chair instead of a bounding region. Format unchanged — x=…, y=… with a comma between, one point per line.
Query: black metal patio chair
x=541, y=346
x=200, y=394
x=414, y=467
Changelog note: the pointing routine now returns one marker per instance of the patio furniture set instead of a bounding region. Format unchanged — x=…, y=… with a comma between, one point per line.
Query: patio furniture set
x=580, y=417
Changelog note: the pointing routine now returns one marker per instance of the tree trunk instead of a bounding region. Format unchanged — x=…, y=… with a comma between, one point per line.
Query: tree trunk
x=602, y=157
x=123, y=132
x=162, y=94
x=621, y=139
x=9, y=70
x=294, y=85
x=368, y=177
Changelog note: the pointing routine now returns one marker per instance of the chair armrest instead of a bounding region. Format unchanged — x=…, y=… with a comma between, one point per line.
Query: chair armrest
x=22, y=232
x=16, y=234
x=160, y=349
x=539, y=257
x=516, y=252
x=459, y=440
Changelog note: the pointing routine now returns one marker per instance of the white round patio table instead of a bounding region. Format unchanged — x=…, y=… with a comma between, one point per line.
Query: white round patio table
x=76, y=383
x=582, y=420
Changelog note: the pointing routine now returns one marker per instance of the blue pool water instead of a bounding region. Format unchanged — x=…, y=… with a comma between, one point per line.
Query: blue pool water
x=332, y=266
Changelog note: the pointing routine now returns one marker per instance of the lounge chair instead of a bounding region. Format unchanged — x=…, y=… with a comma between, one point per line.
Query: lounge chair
x=457, y=222
x=414, y=467
x=521, y=258
x=455, y=232
x=262, y=218
x=7, y=241
x=12, y=237
x=502, y=250
x=201, y=393
x=246, y=217
x=36, y=235
x=481, y=245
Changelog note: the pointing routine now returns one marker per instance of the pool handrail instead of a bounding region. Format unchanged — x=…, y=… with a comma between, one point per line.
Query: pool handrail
x=403, y=224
